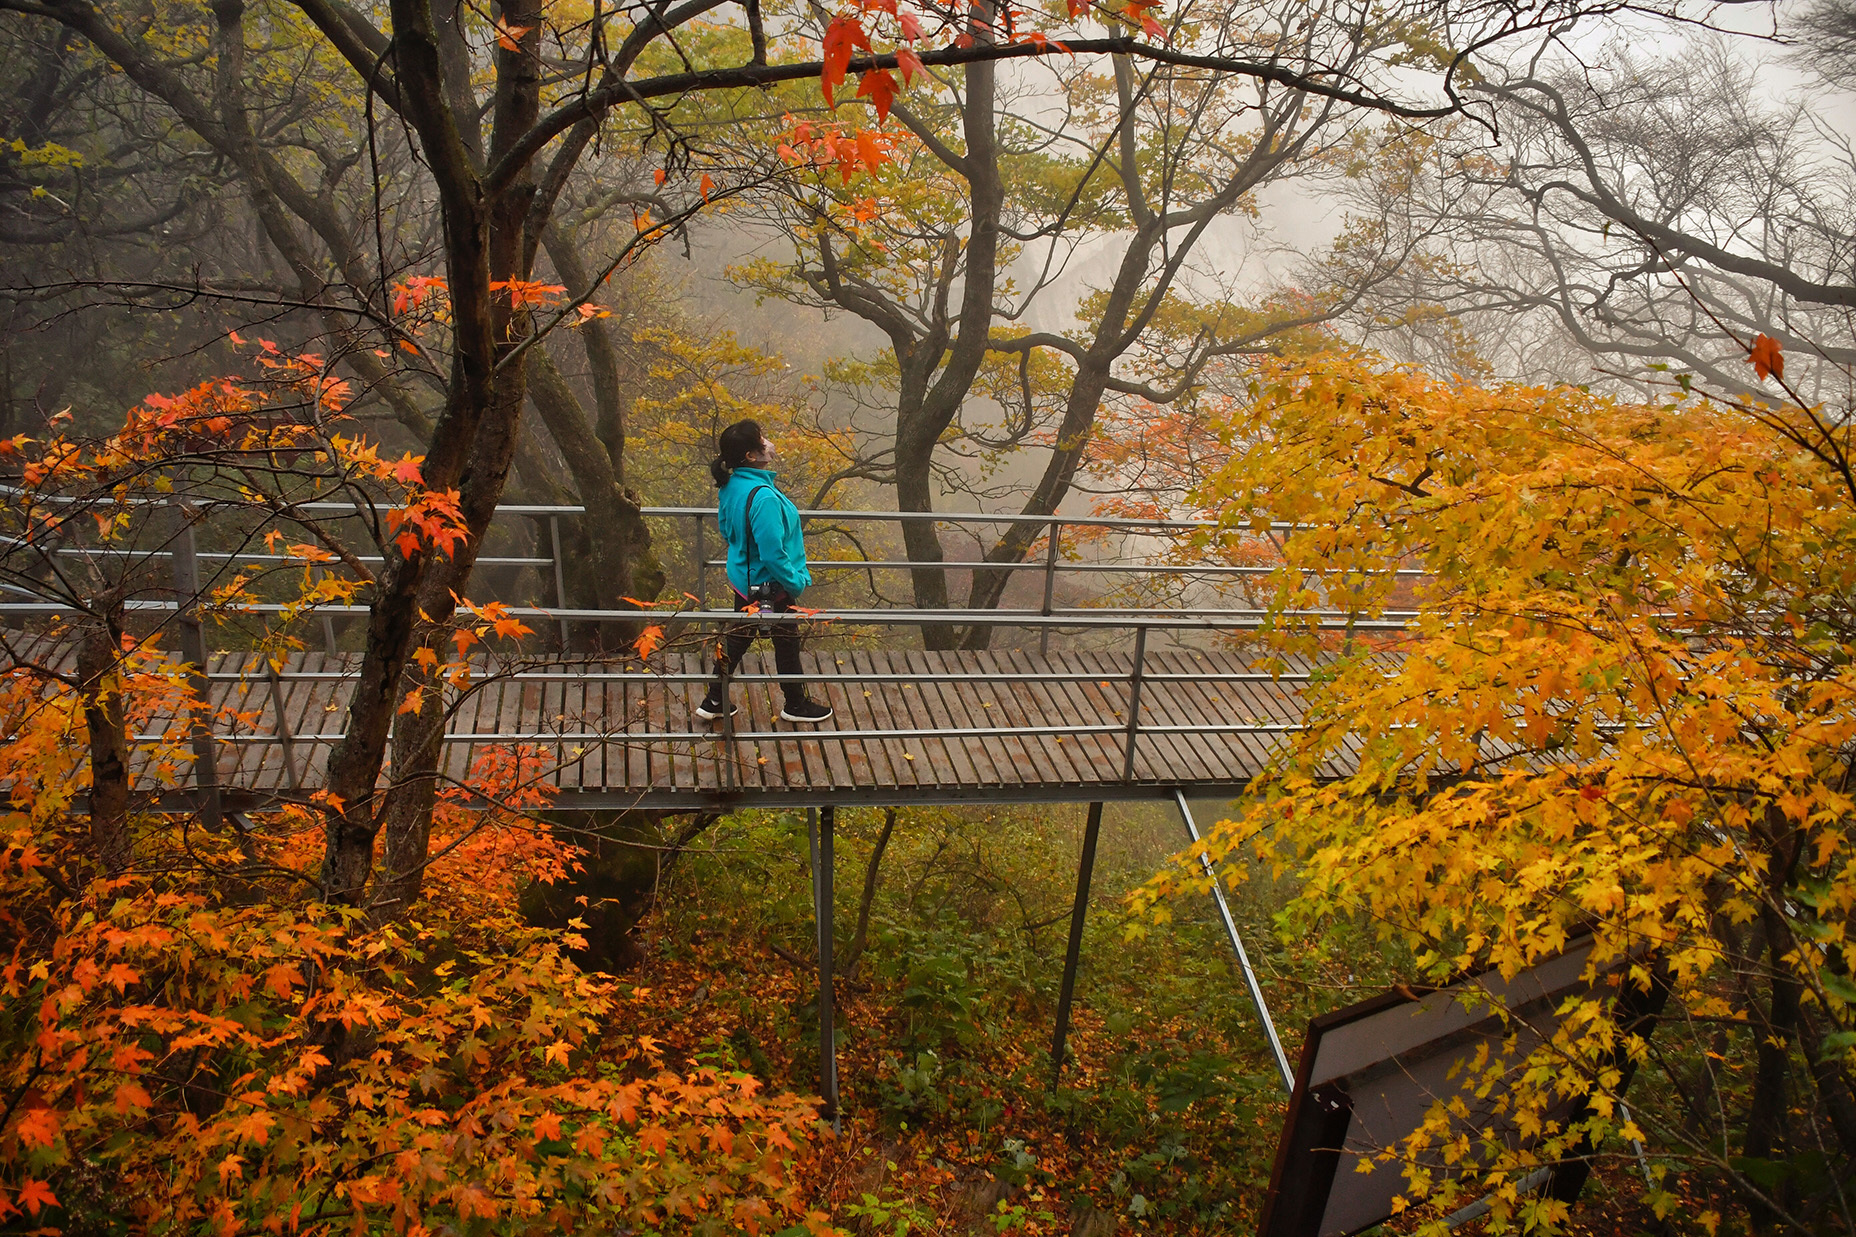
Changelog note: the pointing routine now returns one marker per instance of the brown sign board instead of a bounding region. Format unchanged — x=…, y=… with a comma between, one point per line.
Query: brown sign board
x=1370, y=1073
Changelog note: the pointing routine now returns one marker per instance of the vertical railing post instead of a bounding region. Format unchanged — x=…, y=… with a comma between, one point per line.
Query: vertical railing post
x=1050, y=583
x=1237, y=946
x=822, y=823
x=328, y=624
x=702, y=564
x=1078, y=911
x=560, y=576
x=193, y=647
x=726, y=675
x=1134, y=702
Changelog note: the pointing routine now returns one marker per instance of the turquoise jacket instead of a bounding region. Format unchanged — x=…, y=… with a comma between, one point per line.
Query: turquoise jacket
x=779, y=546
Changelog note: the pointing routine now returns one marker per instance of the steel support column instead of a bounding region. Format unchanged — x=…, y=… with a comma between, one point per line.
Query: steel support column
x=1078, y=912
x=821, y=823
x=1237, y=946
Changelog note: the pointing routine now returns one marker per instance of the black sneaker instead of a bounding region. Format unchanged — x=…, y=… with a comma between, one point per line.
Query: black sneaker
x=712, y=709
x=804, y=710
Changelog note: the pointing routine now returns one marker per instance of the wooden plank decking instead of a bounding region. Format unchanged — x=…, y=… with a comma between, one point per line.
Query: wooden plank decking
x=910, y=727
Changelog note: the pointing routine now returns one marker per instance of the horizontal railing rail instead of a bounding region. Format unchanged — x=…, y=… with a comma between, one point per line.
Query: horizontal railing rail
x=1052, y=564
x=1080, y=619
x=708, y=513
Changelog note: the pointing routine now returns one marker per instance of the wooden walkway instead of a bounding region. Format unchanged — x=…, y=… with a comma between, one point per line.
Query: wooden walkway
x=910, y=727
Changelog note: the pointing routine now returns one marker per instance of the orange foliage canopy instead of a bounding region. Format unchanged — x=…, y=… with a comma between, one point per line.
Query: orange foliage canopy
x=1626, y=705
x=190, y=1042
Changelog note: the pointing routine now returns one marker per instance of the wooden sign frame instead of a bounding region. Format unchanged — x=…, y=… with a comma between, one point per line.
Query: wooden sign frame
x=1369, y=1073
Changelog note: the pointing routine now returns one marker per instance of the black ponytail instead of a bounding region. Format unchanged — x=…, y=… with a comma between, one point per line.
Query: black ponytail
x=734, y=442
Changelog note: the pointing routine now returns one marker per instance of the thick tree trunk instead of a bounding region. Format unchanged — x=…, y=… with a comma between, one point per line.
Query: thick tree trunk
x=915, y=492
x=616, y=535
x=99, y=672
x=1767, y=1122
x=408, y=587
x=922, y=420
x=617, y=529
x=474, y=440
x=406, y=826
x=602, y=356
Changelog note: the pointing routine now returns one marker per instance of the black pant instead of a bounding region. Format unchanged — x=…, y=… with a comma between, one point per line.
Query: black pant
x=740, y=636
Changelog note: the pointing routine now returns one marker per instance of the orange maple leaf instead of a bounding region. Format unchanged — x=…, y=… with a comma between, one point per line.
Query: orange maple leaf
x=870, y=150
x=35, y=1195
x=1766, y=357
x=524, y=292
x=648, y=641
x=509, y=628
x=37, y=1127
x=131, y=1095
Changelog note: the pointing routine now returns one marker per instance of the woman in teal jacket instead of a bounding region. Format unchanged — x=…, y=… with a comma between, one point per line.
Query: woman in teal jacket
x=766, y=565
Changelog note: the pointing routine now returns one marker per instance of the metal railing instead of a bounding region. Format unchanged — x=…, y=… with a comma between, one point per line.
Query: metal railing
x=1129, y=724
x=1137, y=625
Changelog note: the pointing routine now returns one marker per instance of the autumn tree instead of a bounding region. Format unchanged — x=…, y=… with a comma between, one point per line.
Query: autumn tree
x=1624, y=708
x=1645, y=212
x=495, y=186
x=979, y=211
x=191, y=1034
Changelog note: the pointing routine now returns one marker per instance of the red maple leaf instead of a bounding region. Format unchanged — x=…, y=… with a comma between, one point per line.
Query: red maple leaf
x=879, y=86
x=843, y=36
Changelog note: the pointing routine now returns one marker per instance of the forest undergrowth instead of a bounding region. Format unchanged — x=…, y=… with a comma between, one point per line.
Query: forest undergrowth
x=1168, y=1112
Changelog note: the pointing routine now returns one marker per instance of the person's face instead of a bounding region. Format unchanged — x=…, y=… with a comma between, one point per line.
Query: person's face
x=765, y=454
